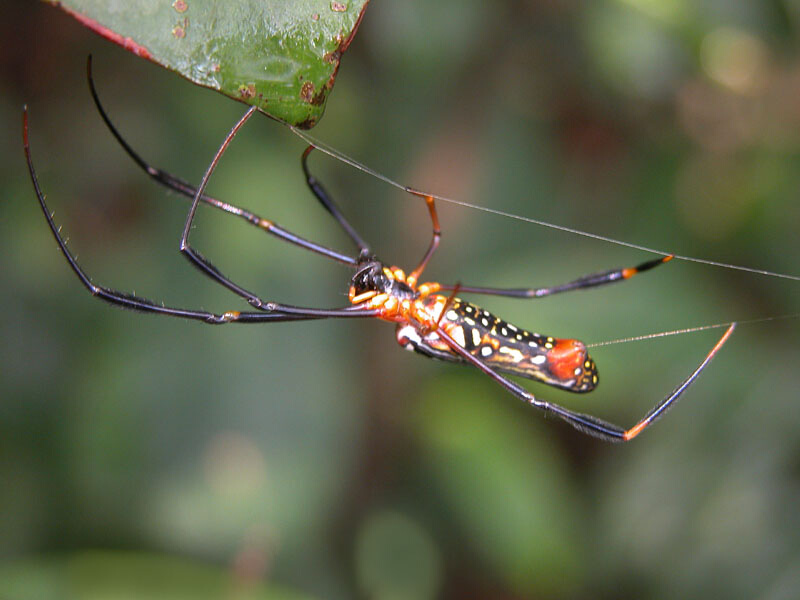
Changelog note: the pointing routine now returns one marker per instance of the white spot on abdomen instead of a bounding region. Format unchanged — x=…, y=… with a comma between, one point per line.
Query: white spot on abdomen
x=457, y=333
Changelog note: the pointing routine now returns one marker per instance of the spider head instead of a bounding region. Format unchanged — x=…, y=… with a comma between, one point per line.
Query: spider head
x=370, y=277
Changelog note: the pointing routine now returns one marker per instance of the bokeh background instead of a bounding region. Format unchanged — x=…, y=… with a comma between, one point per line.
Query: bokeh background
x=142, y=456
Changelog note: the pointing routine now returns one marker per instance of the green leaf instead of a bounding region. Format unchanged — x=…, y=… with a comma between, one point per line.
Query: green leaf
x=279, y=55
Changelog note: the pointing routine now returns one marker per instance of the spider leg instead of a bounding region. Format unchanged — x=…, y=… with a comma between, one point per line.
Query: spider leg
x=207, y=268
x=181, y=186
x=330, y=205
x=589, y=424
x=144, y=305
x=413, y=277
x=587, y=281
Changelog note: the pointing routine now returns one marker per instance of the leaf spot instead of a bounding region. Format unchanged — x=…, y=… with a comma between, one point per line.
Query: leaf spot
x=179, y=31
x=307, y=91
x=247, y=91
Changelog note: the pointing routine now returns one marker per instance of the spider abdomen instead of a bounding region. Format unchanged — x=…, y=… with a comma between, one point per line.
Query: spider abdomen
x=562, y=363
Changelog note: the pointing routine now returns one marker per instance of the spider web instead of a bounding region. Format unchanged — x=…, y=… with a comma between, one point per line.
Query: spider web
x=340, y=156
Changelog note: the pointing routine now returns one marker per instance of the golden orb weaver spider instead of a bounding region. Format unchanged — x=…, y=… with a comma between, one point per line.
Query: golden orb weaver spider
x=432, y=324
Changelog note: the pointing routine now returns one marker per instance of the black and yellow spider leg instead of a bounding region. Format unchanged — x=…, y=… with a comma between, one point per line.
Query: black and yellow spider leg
x=582, y=283
x=186, y=189
x=589, y=424
x=111, y=296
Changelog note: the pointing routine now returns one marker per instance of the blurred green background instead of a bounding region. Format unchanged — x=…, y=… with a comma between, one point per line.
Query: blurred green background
x=142, y=456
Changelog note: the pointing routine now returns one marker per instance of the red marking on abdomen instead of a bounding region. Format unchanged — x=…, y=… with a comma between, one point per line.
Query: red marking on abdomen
x=107, y=33
x=565, y=357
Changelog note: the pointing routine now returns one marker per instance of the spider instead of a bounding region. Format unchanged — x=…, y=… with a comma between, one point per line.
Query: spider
x=428, y=322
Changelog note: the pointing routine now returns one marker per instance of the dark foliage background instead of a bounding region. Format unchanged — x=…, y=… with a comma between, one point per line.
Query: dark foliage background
x=141, y=454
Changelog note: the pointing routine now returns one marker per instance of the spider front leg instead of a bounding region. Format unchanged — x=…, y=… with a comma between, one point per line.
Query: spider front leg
x=589, y=424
